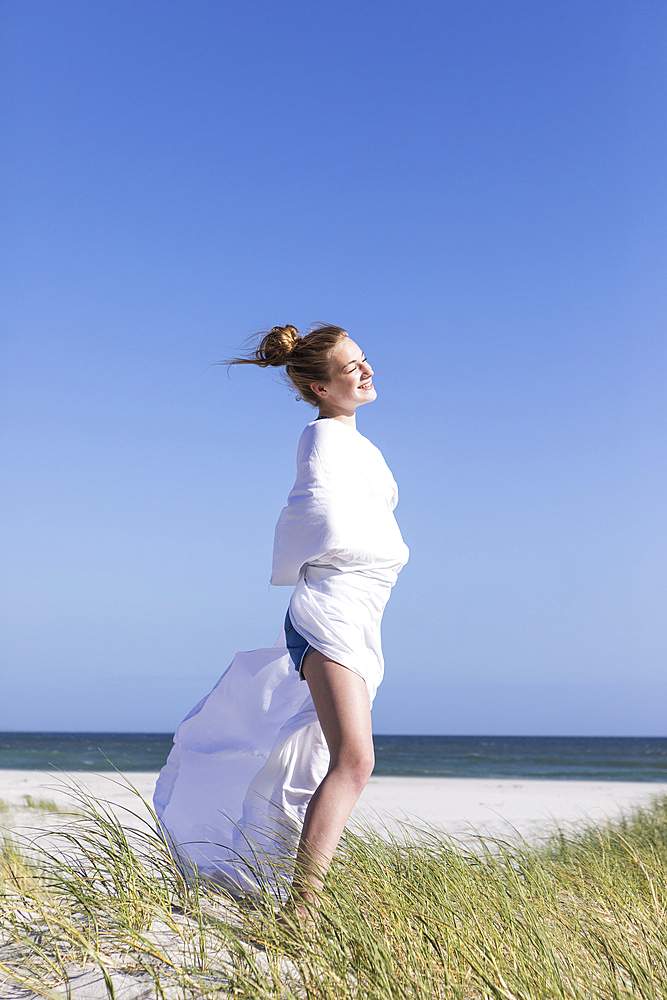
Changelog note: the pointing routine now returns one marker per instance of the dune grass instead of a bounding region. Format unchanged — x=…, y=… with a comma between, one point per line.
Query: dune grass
x=39, y=805
x=43, y=805
x=578, y=916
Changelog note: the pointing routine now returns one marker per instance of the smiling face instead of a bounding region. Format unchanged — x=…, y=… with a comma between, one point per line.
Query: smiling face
x=351, y=382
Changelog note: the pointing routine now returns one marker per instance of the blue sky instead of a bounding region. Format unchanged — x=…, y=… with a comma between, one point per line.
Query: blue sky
x=476, y=191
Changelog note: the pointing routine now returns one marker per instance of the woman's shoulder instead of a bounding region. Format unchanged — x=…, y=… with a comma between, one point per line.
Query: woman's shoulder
x=328, y=444
x=324, y=429
x=319, y=436
x=332, y=452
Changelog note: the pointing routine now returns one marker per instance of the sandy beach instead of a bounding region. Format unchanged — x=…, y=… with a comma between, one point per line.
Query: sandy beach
x=460, y=806
x=463, y=807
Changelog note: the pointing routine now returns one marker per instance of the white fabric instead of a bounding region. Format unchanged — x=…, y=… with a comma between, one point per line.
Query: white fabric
x=338, y=542
x=232, y=796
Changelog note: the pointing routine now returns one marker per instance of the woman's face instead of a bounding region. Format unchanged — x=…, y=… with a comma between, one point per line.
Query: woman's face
x=351, y=382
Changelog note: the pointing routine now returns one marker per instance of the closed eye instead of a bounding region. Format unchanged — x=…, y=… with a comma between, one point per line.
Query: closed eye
x=356, y=365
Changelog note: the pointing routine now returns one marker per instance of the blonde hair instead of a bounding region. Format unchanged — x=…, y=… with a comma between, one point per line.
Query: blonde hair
x=306, y=359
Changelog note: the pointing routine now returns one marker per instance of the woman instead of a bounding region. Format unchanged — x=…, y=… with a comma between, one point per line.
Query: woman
x=265, y=756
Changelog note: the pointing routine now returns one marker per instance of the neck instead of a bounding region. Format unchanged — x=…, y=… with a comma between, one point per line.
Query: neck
x=349, y=419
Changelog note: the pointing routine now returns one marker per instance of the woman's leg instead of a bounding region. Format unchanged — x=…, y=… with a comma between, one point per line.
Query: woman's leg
x=341, y=701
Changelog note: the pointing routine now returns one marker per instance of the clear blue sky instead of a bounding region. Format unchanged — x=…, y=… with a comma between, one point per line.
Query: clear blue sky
x=476, y=191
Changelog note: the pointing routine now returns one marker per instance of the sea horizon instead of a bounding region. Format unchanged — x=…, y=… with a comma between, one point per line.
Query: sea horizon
x=576, y=758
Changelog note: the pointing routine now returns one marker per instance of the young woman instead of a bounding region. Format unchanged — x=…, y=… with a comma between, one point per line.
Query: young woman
x=266, y=757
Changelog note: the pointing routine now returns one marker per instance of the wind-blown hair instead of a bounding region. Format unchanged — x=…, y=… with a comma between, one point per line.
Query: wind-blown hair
x=306, y=359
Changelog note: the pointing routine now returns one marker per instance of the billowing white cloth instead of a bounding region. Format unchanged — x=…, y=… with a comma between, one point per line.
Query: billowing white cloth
x=233, y=794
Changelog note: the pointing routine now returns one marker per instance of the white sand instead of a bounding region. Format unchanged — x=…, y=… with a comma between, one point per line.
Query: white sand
x=464, y=806
x=461, y=806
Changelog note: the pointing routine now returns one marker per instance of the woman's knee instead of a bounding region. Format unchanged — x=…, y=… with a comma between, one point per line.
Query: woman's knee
x=356, y=764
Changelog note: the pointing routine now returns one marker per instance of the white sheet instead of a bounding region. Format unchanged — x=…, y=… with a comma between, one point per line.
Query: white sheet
x=337, y=540
x=246, y=761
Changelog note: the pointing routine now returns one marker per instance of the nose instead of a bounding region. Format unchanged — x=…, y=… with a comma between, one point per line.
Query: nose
x=369, y=371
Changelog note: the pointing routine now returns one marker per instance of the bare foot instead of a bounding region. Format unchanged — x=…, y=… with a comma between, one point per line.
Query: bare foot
x=296, y=918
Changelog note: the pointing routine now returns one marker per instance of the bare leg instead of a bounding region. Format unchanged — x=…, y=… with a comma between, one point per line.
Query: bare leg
x=341, y=701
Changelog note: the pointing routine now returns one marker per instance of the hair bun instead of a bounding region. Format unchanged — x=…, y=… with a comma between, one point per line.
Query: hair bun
x=276, y=347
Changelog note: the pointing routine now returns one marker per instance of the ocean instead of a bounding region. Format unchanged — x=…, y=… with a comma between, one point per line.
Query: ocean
x=576, y=758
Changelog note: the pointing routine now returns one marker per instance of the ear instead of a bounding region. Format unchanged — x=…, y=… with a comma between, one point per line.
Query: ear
x=319, y=389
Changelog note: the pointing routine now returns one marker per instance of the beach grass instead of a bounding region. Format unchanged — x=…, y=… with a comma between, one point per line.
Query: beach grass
x=44, y=805
x=579, y=915
x=36, y=805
